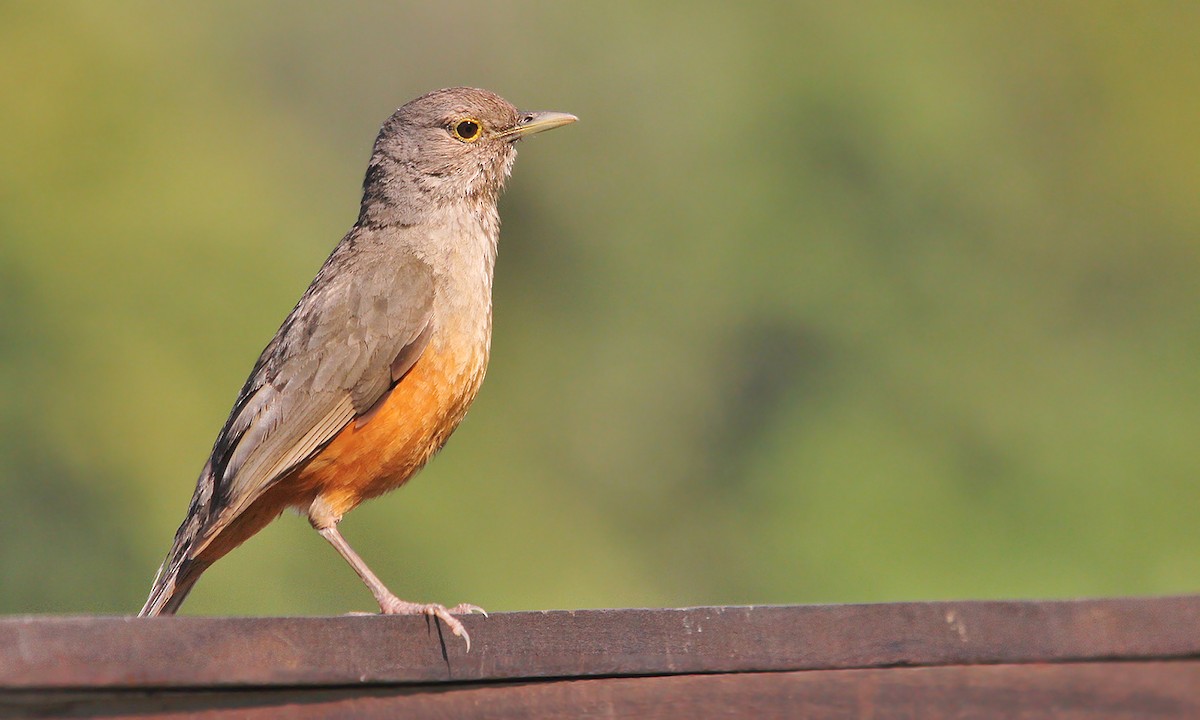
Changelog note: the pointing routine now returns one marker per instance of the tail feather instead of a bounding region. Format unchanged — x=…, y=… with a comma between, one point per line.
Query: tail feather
x=207, y=533
x=181, y=569
x=174, y=581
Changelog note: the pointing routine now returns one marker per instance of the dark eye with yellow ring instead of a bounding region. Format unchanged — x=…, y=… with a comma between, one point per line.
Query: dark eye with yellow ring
x=467, y=130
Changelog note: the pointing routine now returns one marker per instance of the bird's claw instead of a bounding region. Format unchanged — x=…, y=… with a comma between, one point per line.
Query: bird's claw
x=396, y=606
x=467, y=609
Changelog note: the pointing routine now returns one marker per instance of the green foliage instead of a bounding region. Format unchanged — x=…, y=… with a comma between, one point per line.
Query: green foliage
x=818, y=302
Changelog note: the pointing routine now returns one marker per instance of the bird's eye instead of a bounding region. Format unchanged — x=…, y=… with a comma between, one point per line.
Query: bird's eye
x=467, y=130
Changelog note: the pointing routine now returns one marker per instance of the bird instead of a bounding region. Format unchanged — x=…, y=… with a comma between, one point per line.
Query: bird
x=379, y=360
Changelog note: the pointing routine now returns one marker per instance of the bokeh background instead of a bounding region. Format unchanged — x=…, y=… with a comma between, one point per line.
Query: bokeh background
x=819, y=302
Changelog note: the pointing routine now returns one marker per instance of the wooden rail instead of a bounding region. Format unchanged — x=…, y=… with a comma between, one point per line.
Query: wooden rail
x=1119, y=658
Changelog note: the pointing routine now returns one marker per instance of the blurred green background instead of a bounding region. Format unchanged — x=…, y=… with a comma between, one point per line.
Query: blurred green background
x=819, y=302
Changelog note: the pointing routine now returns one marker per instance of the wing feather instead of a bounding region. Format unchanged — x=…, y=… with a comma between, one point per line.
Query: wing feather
x=333, y=358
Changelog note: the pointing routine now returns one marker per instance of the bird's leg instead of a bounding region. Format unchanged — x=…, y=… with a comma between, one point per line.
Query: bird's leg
x=389, y=604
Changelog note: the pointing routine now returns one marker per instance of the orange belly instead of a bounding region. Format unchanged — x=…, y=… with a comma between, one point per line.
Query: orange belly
x=382, y=450
x=373, y=454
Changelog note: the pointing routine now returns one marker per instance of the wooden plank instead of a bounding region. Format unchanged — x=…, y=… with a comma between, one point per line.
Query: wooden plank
x=205, y=652
x=1110, y=691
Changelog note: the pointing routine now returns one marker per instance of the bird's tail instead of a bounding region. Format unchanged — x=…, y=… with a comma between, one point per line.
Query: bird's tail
x=177, y=574
x=181, y=569
x=172, y=584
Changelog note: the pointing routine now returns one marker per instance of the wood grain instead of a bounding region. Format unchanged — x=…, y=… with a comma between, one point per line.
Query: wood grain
x=1104, y=691
x=1117, y=658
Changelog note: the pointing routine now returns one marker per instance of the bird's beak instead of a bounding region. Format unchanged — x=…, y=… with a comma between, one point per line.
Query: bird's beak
x=536, y=122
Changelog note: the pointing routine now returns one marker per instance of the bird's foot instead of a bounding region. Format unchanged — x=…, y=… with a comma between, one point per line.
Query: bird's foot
x=395, y=606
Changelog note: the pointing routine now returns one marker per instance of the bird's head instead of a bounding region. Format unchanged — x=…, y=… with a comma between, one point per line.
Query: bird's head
x=449, y=146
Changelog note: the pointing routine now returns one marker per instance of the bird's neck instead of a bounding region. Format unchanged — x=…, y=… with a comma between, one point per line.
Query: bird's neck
x=395, y=193
x=461, y=248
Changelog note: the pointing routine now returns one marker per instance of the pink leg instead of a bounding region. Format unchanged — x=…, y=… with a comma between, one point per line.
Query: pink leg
x=389, y=604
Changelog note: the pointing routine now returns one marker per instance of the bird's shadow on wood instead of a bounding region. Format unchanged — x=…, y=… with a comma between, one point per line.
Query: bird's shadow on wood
x=437, y=625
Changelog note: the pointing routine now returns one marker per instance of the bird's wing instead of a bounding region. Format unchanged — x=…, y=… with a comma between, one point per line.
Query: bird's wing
x=357, y=331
